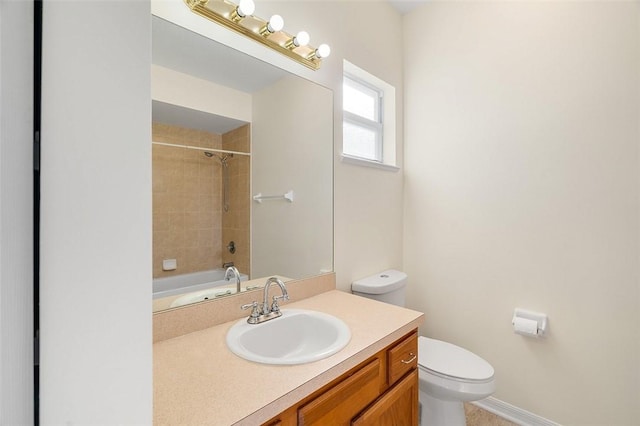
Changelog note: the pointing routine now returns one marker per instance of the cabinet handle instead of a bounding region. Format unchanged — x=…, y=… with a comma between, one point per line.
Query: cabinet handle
x=409, y=361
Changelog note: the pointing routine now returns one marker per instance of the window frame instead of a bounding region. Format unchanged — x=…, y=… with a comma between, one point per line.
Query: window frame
x=389, y=148
x=377, y=126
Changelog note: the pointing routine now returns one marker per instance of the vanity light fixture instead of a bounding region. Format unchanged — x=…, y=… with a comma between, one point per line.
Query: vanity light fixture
x=275, y=24
x=239, y=17
x=322, y=51
x=245, y=8
x=300, y=40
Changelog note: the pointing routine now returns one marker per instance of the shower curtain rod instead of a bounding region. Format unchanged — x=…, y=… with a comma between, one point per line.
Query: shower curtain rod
x=224, y=151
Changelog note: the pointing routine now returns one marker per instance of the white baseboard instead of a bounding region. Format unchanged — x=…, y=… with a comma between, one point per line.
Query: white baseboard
x=512, y=413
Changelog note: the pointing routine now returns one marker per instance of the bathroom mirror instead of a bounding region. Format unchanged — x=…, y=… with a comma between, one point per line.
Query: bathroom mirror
x=242, y=170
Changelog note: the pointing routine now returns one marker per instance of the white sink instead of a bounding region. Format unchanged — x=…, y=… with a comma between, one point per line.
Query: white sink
x=297, y=337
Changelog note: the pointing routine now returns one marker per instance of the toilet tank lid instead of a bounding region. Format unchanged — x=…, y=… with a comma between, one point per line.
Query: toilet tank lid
x=383, y=282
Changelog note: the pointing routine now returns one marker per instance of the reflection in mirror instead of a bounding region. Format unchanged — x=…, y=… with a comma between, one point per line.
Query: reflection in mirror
x=226, y=128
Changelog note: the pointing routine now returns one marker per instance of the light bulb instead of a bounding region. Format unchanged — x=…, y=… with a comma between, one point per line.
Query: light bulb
x=301, y=39
x=276, y=23
x=245, y=7
x=323, y=51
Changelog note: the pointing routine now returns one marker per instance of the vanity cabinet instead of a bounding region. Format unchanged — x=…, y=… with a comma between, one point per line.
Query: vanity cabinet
x=398, y=406
x=382, y=390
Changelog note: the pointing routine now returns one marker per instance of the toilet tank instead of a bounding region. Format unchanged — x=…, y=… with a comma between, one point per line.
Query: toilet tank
x=387, y=286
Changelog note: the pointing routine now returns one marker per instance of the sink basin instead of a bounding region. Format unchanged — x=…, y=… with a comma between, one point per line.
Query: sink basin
x=297, y=337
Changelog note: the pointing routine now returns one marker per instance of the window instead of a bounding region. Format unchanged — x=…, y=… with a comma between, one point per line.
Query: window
x=368, y=126
x=362, y=122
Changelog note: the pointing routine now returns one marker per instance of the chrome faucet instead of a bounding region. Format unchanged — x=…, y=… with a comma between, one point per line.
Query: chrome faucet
x=275, y=309
x=233, y=271
x=264, y=312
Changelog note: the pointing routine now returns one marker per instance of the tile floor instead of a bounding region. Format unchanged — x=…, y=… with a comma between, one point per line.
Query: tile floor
x=478, y=417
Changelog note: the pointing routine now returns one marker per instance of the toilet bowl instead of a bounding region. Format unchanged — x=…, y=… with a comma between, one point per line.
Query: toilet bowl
x=448, y=375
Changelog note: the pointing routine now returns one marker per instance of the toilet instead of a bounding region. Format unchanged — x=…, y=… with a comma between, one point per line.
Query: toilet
x=448, y=374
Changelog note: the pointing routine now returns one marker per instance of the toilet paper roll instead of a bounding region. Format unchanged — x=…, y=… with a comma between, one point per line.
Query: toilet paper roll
x=525, y=326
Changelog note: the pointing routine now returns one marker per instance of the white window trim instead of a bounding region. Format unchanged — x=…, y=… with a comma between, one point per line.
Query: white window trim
x=358, y=161
x=388, y=115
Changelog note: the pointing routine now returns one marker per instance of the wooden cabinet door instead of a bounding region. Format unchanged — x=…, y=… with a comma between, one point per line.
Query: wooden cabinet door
x=398, y=406
x=338, y=405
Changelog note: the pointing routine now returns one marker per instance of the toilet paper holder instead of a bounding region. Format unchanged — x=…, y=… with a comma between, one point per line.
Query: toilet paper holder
x=529, y=323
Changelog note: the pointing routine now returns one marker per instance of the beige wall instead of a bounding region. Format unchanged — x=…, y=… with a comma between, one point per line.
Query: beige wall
x=292, y=151
x=522, y=187
x=367, y=202
x=95, y=242
x=16, y=213
x=189, y=222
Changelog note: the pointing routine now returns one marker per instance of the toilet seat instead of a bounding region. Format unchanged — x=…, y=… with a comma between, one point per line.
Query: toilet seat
x=452, y=362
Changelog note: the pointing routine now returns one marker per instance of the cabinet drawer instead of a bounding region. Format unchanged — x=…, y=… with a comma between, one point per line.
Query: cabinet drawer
x=341, y=403
x=403, y=357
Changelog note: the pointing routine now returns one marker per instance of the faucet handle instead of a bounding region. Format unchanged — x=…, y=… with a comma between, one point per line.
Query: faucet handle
x=253, y=305
x=255, y=312
x=274, y=306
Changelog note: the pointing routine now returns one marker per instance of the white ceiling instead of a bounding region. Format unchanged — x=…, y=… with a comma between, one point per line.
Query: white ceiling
x=406, y=6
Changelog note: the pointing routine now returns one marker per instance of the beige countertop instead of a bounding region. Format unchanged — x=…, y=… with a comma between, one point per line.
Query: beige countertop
x=198, y=381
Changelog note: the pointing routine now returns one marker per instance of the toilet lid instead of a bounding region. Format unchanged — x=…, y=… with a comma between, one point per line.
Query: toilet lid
x=451, y=360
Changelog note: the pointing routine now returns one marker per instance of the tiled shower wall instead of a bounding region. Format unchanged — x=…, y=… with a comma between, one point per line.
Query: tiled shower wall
x=235, y=222
x=188, y=220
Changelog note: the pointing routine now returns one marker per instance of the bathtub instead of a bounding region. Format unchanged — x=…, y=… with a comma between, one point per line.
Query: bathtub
x=193, y=282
